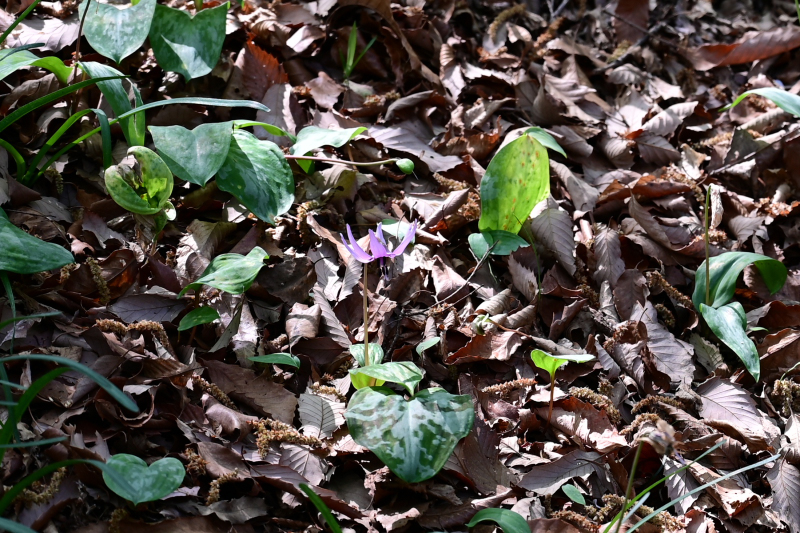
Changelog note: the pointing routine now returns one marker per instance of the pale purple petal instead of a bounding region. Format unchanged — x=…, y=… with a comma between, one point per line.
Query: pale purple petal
x=406, y=241
x=354, y=249
x=377, y=248
x=379, y=232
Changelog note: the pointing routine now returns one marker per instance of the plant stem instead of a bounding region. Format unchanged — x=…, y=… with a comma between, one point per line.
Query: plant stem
x=341, y=161
x=708, y=274
x=366, y=318
x=629, y=488
x=75, y=97
x=198, y=5
x=552, y=397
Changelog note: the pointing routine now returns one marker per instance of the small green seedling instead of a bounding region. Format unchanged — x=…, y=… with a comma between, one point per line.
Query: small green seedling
x=507, y=520
x=551, y=363
x=351, y=61
x=574, y=494
x=146, y=483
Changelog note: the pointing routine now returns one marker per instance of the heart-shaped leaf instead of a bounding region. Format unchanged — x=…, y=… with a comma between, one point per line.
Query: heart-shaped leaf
x=413, y=438
x=509, y=521
x=185, y=44
x=193, y=155
x=145, y=192
x=496, y=242
x=311, y=137
x=724, y=271
x=117, y=33
x=728, y=323
x=517, y=178
x=25, y=254
x=232, y=273
x=117, y=96
x=198, y=317
x=404, y=373
x=257, y=173
x=277, y=359
x=149, y=483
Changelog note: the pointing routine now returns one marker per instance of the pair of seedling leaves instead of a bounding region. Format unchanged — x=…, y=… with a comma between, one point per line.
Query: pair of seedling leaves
x=516, y=180
x=189, y=45
x=413, y=437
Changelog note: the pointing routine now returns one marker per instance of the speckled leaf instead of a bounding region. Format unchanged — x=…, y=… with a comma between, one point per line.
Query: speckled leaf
x=185, y=44
x=145, y=192
x=117, y=33
x=233, y=273
x=149, y=483
x=256, y=172
x=517, y=178
x=25, y=254
x=193, y=155
x=413, y=438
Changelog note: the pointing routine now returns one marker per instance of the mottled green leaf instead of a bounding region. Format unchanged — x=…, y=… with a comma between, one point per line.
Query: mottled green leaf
x=725, y=269
x=257, y=173
x=186, y=44
x=198, y=317
x=311, y=137
x=146, y=191
x=496, y=242
x=375, y=354
x=117, y=32
x=517, y=178
x=415, y=437
x=149, y=483
x=404, y=373
x=25, y=254
x=193, y=155
x=509, y=521
x=728, y=323
x=232, y=273
x=277, y=359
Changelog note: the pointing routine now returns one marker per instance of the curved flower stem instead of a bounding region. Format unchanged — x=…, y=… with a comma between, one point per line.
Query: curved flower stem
x=552, y=397
x=342, y=161
x=366, y=318
x=708, y=268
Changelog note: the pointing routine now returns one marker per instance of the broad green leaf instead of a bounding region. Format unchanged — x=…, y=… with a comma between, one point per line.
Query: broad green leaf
x=547, y=140
x=186, y=44
x=145, y=192
x=413, y=438
x=311, y=137
x=232, y=273
x=551, y=363
x=784, y=99
x=728, y=322
x=117, y=33
x=23, y=58
x=256, y=172
x=509, y=521
x=193, y=155
x=404, y=373
x=725, y=270
x=496, y=242
x=198, y=317
x=148, y=483
x=117, y=96
x=574, y=494
x=25, y=254
x=517, y=178
x=375, y=354
x=430, y=343
x=277, y=359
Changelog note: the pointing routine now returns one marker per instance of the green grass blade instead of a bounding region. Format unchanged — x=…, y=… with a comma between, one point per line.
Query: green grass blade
x=18, y=20
x=13, y=527
x=18, y=159
x=322, y=508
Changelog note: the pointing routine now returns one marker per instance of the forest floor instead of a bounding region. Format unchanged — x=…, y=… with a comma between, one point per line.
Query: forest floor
x=633, y=96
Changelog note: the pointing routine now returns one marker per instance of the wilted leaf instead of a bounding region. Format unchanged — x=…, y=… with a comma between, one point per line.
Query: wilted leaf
x=728, y=402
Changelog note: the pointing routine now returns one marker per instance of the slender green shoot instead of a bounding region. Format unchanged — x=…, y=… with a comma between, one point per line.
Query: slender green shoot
x=352, y=44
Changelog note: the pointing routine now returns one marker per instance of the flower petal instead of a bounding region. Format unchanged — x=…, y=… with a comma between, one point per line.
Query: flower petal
x=354, y=249
x=379, y=232
x=406, y=240
x=377, y=248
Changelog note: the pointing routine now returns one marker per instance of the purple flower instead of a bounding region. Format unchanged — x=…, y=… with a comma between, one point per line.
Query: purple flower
x=377, y=245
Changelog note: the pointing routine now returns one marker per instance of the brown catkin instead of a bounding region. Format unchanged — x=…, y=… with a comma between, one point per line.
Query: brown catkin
x=598, y=400
x=269, y=430
x=655, y=279
x=117, y=516
x=508, y=386
x=213, y=490
x=40, y=493
x=99, y=281
x=214, y=391
x=503, y=17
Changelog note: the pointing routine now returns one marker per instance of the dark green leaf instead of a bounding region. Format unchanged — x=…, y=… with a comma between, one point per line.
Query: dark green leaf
x=193, y=155
x=725, y=270
x=404, y=373
x=117, y=33
x=784, y=99
x=496, y=242
x=728, y=323
x=509, y=521
x=277, y=359
x=517, y=178
x=117, y=96
x=148, y=483
x=257, y=173
x=198, y=317
x=232, y=273
x=413, y=438
x=311, y=137
x=185, y=44
x=574, y=494
x=25, y=254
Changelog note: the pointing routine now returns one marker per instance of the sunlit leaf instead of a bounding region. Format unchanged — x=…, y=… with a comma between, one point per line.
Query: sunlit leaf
x=232, y=273
x=117, y=32
x=148, y=483
x=404, y=373
x=193, y=155
x=198, y=317
x=277, y=359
